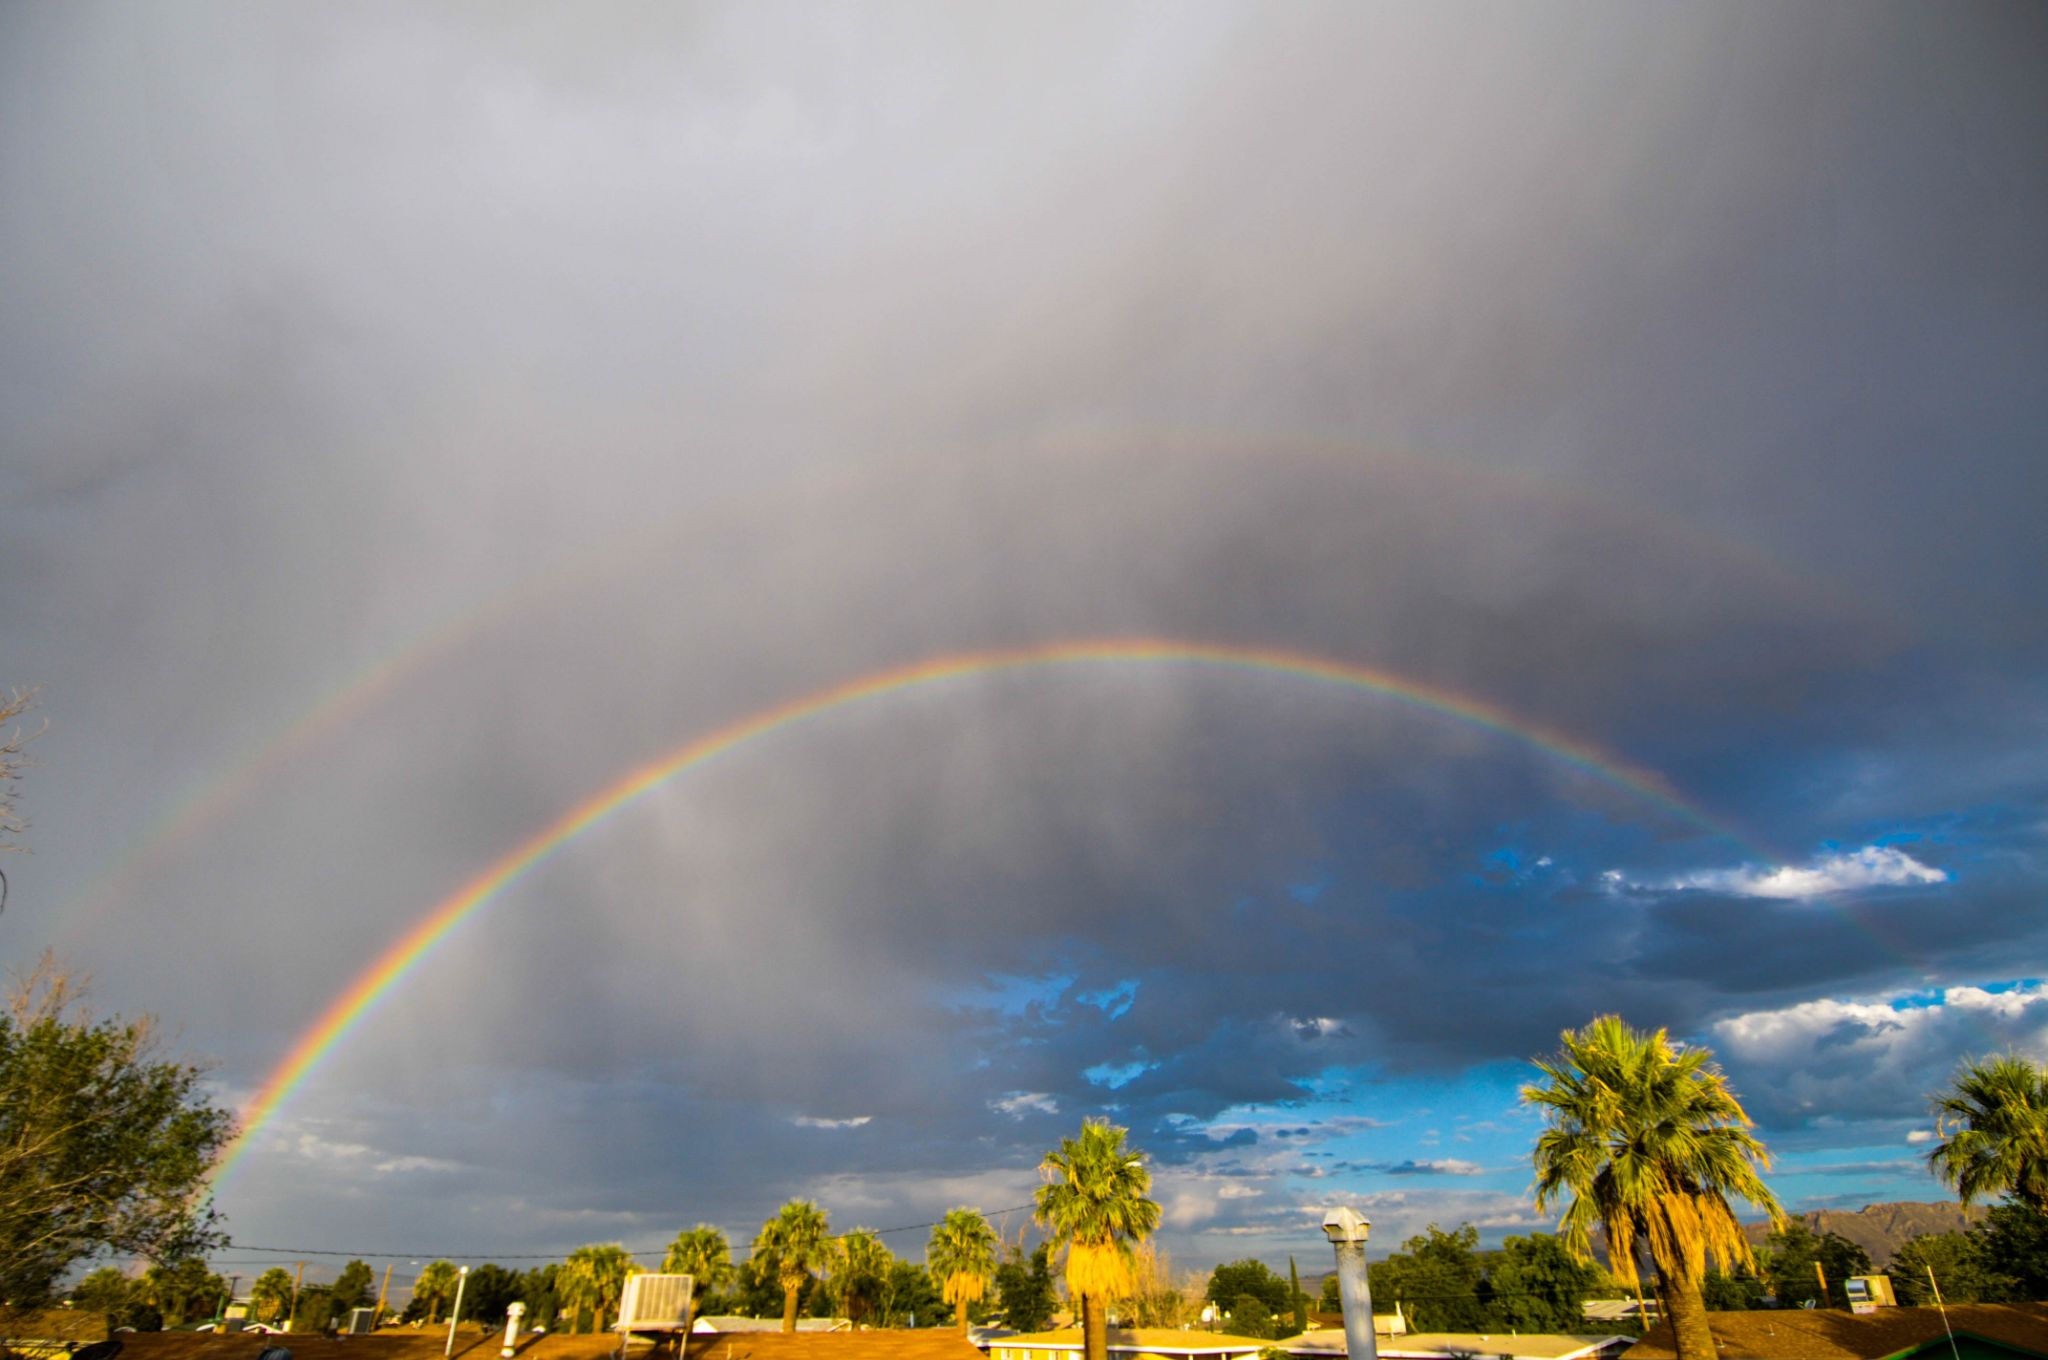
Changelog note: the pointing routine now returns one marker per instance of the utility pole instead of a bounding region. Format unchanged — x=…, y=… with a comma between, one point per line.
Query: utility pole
x=297, y=1280
x=1822, y=1276
x=382, y=1290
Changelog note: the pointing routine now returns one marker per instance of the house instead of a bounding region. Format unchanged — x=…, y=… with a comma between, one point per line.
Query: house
x=1608, y=1315
x=925, y=1343
x=727, y=1322
x=1982, y=1331
x=1465, y=1346
x=1129, y=1343
x=1383, y=1324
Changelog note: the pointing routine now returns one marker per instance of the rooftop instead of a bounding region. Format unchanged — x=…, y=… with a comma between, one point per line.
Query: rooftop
x=1429, y=1345
x=930, y=1343
x=1826, y=1334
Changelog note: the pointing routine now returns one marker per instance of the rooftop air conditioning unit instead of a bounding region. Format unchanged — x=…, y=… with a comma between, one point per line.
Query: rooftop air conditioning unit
x=656, y=1303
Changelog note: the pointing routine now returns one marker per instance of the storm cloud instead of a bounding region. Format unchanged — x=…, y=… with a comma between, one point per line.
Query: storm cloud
x=417, y=420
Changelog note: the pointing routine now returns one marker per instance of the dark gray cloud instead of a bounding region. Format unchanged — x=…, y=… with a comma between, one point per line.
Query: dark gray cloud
x=526, y=395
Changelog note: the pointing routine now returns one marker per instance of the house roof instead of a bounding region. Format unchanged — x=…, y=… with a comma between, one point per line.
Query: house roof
x=730, y=1322
x=925, y=1343
x=1434, y=1345
x=929, y=1343
x=53, y=1324
x=1137, y=1341
x=1826, y=1334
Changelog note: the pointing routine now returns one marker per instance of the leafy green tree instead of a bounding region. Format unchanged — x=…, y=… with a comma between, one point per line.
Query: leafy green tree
x=434, y=1289
x=1956, y=1260
x=537, y=1291
x=755, y=1290
x=104, y=1144
x=794, y=1243
x=107, y=1292
x=313, y=1309
x=1534, y=1284
x=1249, y=1316
x=1732, y=1291
x=1296, y=1297
x=351, y=1287
x=594, y=1278
x=962, y=1257
x=182, y=1291
x=2014, y=1243
x=1024, y=1289
x=913, y=1297
x=1094, y=1202
x=704, y=1255
x=1329, y=1300
x=1793, y=1252
x=490, y=1291
x=1248, y=1276
x=1435, y=1277
x=1993, y=1125
x=1646, y=1141
x=270, y=1297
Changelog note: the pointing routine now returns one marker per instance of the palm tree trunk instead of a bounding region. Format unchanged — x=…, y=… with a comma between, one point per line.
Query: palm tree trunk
x=1692, y=1337
x=1095, y=1329
x=789, y=1306
x=960, y=1314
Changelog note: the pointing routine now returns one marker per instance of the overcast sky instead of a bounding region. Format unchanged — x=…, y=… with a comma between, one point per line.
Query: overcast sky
x=415, y=419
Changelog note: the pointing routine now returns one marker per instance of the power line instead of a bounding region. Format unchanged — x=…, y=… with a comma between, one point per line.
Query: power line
x=543, y=1255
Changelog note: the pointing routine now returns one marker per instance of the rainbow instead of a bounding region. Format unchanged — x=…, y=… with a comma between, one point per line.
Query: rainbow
x=209, y=800
x=405, y=954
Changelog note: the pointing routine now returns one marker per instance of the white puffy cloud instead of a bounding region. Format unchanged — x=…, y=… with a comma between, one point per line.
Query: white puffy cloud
x=1017, y=1104
x=1874, y=866
x=1873, y=1057
x=814, y=1122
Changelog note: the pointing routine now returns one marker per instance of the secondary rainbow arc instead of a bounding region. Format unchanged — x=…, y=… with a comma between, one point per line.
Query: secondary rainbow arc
x=348, y=1009
x=210, y=799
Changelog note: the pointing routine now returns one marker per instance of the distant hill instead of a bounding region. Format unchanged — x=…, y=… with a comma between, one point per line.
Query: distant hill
x=1882, y=1229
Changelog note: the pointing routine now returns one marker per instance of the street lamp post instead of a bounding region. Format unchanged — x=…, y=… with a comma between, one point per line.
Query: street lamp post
x=1347, y=1230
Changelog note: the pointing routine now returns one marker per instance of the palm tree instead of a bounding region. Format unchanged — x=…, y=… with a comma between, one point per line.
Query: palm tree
x=794, y=1244
x=702, y=1254
x=860, y=1268
x=1993, y=1120
x=436, y=1284
x=962, y=1256
x=1094, y=1202
x=594, y=1277
x=1647, y=1142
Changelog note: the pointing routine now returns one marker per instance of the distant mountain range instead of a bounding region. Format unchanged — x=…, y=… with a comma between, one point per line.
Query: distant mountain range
x=1882, y=1229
